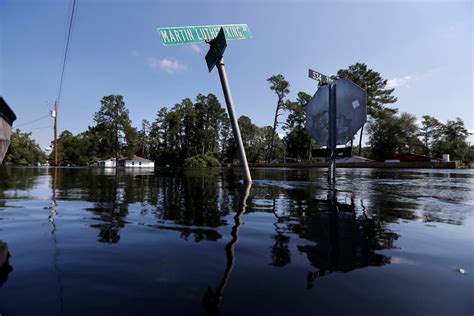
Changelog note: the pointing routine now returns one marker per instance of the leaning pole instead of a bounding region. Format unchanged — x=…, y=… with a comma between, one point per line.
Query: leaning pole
x=233, y=120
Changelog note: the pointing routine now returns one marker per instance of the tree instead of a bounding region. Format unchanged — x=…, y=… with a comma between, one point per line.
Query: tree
x=23, y=150
x=190, y=129
x=281, y=88
x=270, y=136
x=74, y=150
x=297, y=140
x=115, y=134
x=144, y=140
x=210, y=119
x=391, y=134
x=378, y=96
x=452, y=140
x=253, y=139
x=431, y=130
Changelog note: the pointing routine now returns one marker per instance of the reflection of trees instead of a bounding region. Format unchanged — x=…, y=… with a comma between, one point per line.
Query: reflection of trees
x=111, y=209
x=110, y=193
x=281, y=255
x=191, y=202
x=15, y=180
x=194, y=204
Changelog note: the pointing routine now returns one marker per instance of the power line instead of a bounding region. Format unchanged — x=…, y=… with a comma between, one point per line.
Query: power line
x=36, y=120
x=66, y=48
x=33, y=129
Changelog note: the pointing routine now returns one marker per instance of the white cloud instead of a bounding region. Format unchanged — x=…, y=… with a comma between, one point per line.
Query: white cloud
x=169, y=65
x=399, y=82
x=408, y=80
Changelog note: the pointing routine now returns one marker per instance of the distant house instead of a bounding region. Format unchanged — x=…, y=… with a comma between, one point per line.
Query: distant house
x=105, y=163
x=136, y=162
x=353, y=159
x=412, y=158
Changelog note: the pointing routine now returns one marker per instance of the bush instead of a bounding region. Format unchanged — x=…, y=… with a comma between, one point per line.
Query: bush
x=201, y=161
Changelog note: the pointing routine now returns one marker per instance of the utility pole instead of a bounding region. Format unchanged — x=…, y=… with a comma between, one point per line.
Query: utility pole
x=55, y=116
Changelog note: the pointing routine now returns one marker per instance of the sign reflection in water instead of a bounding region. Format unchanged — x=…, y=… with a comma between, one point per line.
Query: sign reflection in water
x=343, y=239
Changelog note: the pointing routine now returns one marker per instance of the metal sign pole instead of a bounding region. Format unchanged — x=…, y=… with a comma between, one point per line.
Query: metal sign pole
x=233, y=120
x=332, y=134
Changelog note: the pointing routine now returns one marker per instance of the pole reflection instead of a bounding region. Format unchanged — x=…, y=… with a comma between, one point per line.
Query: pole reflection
x=212, y=299
x=344, y=241
x=52, y=219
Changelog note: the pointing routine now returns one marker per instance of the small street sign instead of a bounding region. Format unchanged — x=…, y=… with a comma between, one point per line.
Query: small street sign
x=313, y=74
x=216, y=51
x=198, y=34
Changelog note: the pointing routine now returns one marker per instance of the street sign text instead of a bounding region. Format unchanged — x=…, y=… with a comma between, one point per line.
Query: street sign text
x=197, y=34
x=313, y=74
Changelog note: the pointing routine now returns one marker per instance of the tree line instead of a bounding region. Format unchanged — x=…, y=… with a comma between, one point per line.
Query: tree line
x=197, y=132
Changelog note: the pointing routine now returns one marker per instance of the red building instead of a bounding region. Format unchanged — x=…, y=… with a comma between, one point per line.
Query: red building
x=412, y=157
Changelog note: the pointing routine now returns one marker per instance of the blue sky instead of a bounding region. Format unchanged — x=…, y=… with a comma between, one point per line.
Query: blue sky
x=424, y=49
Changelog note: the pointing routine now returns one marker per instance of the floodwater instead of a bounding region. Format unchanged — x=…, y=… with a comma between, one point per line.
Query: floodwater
x=91, y=242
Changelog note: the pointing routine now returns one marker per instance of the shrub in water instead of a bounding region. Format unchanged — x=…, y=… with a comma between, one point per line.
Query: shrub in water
x=201, y=161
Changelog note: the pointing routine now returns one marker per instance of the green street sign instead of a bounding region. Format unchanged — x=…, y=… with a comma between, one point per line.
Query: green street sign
x=196, y=34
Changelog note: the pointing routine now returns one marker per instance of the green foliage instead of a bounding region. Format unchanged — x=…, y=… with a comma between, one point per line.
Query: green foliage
x=431, y=130
x=201, y=161
x=23, y=150
x=74, y=150
x=281, y=87
x=378, y=96
x=298, y=142
x=470, y=155
x=144, y=140
x=113, y=131
x=189, y=129
x=256, y=139
x=449, y=138
x=391, y=135
x=452, y=140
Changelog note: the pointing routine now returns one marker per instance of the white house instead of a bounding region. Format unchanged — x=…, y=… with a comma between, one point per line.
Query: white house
x=136, y=162
x=106, y=163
